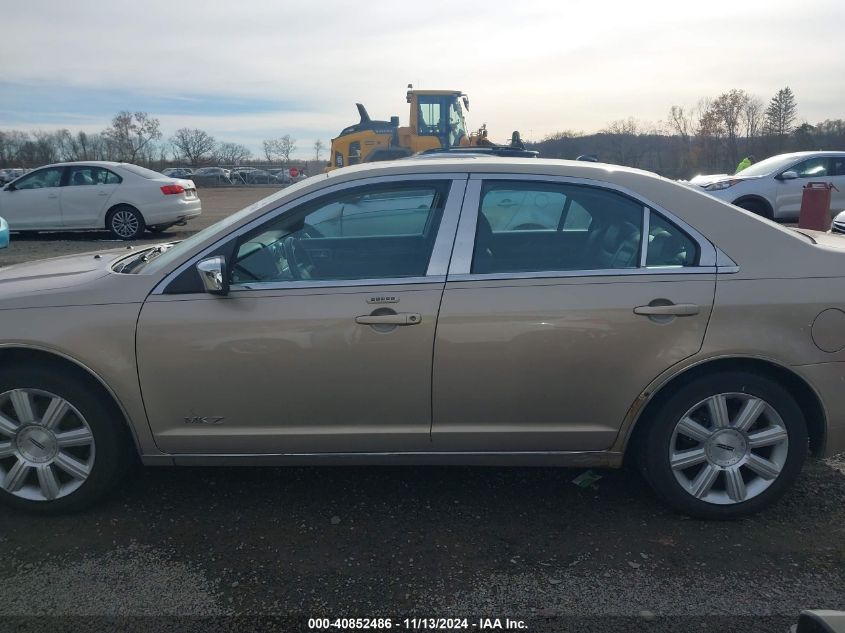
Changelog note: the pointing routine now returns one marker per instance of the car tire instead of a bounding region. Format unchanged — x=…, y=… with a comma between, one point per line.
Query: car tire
x=67, y=452
x=160, y=228
x=125, y=222
x=724, y=446
x=755, y=206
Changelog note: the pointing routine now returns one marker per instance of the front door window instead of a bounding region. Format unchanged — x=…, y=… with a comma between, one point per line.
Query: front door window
x=375, y=232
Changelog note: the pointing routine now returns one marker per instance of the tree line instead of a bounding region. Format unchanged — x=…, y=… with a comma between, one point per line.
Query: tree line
x=136, y=137
x=711, y=137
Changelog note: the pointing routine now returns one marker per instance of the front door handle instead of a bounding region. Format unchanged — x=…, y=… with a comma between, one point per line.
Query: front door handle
x=402, y=318
x=672, y=309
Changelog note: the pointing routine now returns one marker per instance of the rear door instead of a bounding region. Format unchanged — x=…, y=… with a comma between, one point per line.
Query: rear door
x=324, y=344
x=86, y=194
x=547, y=336
x=33, y=201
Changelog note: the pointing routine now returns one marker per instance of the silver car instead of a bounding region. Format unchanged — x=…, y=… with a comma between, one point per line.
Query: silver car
x=448, y=311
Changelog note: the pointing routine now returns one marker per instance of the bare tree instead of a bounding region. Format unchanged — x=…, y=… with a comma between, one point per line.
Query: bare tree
x=753, y=117
x=623, y=135
x=729, y=107
x=280, y=148
x=286, y=146
x=318, y=149
x=130, y=133
x=232, y=153
x=193, y=145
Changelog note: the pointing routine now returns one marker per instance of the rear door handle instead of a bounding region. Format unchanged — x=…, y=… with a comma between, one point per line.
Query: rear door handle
x=403, y=318
x=673, y=309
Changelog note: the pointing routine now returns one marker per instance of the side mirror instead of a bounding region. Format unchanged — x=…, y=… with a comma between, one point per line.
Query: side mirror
x=789, y=175
x=215, y=277
x=4, y=233
x=9, y=187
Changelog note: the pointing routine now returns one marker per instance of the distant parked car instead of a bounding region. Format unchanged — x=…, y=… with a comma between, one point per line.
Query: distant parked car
x=125, y=199
x=178, y=172
x=8, y=175
x=280, y=176
x=838, y=225
x=773, y=187
x=4, y=233
x=238, y=174
x=259, y=177
x=211, y=176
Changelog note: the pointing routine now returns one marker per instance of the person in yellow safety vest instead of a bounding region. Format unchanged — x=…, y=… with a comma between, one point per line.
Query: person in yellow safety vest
x=745, y=163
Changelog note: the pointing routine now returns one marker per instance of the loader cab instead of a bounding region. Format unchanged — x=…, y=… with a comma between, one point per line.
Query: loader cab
x=437, y=119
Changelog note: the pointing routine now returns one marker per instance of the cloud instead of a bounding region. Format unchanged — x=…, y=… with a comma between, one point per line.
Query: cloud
x=275, y=68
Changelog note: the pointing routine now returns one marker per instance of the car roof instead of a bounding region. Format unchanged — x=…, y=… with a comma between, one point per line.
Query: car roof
x=491, y=164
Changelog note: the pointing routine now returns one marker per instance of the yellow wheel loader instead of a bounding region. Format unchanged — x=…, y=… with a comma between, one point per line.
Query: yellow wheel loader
x=436, y=123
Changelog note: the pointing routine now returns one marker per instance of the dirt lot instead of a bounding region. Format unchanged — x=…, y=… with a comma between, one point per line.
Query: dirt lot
x=216, y=204
x=424, y=542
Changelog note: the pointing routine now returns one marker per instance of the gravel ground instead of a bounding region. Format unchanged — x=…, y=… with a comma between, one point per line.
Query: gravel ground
x=287, y=544
x=527, y=543
x=216, y=204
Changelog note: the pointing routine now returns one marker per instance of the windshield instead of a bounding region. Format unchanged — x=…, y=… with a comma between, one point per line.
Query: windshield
x=172, y=255
x=770, y=165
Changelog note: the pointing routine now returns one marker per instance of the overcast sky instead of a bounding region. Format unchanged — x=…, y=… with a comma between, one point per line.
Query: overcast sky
x=245, y=71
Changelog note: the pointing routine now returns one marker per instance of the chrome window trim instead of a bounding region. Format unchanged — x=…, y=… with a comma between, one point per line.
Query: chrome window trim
x=460, y=268
x=330, y=283
x=456, y=178
x=461, y=263
x=605, y=272
x=644, y=236
x=441, y=253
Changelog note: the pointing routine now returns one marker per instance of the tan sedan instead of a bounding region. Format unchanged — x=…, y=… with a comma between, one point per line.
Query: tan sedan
x=454, y=311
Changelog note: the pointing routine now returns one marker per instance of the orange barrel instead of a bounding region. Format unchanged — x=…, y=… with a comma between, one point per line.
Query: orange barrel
x=815, y=206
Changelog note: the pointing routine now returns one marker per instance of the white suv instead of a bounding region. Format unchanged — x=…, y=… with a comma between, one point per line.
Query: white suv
x=773, y=187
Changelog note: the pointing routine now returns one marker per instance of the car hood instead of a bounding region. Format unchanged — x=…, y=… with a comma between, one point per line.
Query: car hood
x=67, y=280
x=706, y=179
x=703, y=181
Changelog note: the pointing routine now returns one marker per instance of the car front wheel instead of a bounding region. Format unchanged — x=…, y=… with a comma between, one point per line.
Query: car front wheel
x=60, y=447
x=725, y=446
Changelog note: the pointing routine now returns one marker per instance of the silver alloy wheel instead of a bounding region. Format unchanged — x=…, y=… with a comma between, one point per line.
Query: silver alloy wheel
x=728, y=448
x=46, y=446
x=124, y=223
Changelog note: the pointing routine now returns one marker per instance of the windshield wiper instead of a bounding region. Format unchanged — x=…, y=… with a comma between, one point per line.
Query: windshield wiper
x=143, y=257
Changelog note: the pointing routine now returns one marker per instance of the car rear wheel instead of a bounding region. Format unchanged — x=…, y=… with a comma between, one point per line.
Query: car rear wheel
x=725, y=446
x=61, y=448
x=125, y=223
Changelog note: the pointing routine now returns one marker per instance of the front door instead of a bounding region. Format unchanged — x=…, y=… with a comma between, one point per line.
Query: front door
x=788, y=193
x=325, y=341
x=555, y=320
x=33, y=201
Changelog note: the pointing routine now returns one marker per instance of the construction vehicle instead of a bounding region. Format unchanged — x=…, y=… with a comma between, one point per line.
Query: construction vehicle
x=436, y=123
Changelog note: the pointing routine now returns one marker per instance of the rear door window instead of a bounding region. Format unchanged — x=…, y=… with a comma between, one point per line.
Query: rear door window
x=537, y=227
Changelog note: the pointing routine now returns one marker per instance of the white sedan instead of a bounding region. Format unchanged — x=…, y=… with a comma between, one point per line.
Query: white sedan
x=773, y=187
x=122, y=198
